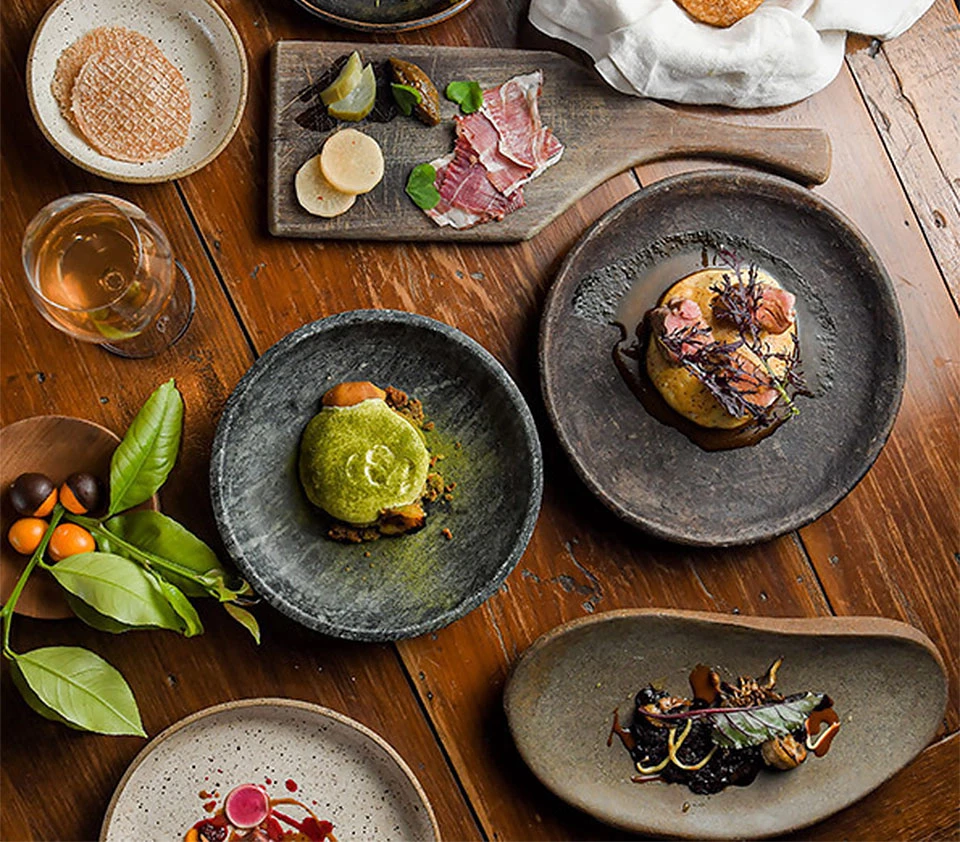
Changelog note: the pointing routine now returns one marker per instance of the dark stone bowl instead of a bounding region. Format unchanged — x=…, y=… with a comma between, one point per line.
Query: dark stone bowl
x=414, y=583
x=386, y=15
x=851, y=339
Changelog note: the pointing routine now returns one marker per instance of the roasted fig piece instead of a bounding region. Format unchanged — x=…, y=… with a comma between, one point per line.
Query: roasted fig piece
x=405, y=73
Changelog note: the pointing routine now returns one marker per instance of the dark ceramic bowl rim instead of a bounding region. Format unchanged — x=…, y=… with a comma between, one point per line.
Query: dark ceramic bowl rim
x=314, y=8
x=355, y=318
x=885, y=289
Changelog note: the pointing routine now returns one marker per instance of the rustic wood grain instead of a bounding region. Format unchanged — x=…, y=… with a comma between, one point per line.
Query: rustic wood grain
x=919, y=803
x=889, y=547
x=903, y=83
x=44, y=371
x=581, y=559
x=603, y=132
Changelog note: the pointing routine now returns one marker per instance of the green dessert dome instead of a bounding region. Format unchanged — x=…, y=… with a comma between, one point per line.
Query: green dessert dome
x=356, y=461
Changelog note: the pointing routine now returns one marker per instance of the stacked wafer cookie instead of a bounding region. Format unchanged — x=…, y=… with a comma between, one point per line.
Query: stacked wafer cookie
x=123, y=95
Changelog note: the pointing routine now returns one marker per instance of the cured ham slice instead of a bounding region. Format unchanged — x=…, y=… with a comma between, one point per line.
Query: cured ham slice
x=482, y=136
x=499, y=149
x=514, y=110
x=466, y=195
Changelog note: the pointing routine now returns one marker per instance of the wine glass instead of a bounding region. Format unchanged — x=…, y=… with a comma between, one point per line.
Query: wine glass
x=101, y=270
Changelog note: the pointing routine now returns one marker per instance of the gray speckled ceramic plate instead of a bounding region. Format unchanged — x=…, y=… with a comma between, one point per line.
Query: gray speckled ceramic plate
x=384, y=15
x=395, y=587
x=197, y=37
x=886, y=680
x=348, y=775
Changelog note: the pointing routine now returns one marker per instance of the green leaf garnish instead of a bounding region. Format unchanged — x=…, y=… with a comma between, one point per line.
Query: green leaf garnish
x=406, y=97
x=145, y=457
x=421, y=186
x=468, y=95
x=245, y=619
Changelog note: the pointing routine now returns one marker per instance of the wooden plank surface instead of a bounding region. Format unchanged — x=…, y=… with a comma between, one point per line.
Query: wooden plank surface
x=903, y=83
x=603, y=132
x=888, y=548
x=46, y=372
x=581, y=559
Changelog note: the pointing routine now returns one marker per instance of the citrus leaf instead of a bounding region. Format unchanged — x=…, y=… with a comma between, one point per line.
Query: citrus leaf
x=160, y=535
x=96, y=620
x=182, y=606
x=245, y=619
x=117, y=588
x=145, y=457
x=73, y=685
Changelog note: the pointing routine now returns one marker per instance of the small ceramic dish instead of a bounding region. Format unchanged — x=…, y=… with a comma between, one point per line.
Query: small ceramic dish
x=886, y=679
x=394, y=587
x=851, y=342
x=384, y=15
x=345, y=772
x=195, y=35
x=55, y=445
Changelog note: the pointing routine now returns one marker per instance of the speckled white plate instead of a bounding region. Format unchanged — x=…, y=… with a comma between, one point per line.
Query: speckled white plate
x=356, y=779
x=196, y=35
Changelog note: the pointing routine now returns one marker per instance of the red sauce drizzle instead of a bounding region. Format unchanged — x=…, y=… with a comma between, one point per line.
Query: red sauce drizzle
x=268, y=781
x=210, y=806
x=291, y=785
x=629, y=743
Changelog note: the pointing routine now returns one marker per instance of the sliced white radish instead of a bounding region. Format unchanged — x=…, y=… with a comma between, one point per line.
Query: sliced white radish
x=317, y=195
x=352, y=161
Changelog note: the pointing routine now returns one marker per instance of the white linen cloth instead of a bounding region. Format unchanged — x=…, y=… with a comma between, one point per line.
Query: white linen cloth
x=781, y=53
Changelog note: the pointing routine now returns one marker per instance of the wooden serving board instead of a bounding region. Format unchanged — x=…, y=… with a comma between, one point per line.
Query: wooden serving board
x=604, y=132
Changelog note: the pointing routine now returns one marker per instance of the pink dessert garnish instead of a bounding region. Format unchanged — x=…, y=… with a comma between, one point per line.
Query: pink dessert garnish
x=247, y=805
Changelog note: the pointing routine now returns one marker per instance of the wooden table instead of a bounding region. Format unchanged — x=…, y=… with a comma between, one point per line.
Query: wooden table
x=891, y=548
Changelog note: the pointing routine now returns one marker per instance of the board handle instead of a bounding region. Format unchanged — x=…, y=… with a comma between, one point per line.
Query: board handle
x=803, y=155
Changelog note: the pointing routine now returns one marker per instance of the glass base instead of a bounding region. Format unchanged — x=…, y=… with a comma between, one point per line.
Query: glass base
x=167, y=327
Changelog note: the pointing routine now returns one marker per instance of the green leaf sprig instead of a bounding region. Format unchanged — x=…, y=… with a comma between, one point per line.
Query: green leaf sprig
x=421, y=186
x=406, y=97
x=146, y=569
x=468, y=95
x=750, y=726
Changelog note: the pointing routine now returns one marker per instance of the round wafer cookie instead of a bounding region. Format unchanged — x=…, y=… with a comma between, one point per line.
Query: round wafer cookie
x=132, y=104
x=71, y=60
x=719, y=12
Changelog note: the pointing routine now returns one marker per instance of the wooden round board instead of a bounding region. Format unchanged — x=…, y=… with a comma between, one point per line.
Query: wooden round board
x=851, y=339
x=55, y=445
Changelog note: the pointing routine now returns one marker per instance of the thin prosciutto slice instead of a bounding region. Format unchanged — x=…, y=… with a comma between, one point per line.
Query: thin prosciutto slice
x=499, y=149
x=514, y=110
x=466, y=195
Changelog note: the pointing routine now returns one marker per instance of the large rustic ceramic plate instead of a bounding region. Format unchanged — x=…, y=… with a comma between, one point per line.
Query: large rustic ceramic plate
x=384, y=15
x=349, y=775
x=885, y=677
x=55, y=445
x=395, y=587
x=197, y=37
x=851, y=338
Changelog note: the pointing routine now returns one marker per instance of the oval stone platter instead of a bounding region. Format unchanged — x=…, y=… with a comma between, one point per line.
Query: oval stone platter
x=349, y=775
x=395, y=587
x=851, y=340
x=885, y=677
